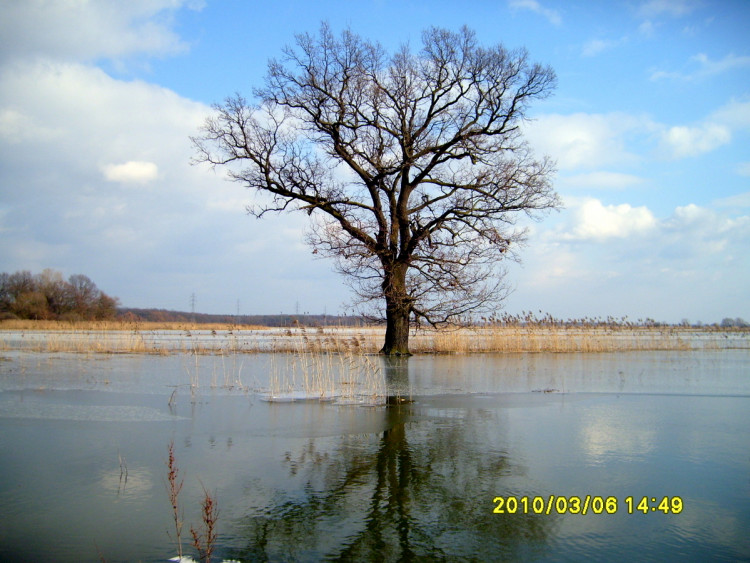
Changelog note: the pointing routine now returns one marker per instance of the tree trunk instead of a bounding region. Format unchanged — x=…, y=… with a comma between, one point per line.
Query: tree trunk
x=397, y=311
x=396, y=333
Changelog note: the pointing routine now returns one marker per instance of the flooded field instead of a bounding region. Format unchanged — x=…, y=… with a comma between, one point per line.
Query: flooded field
x=473, y=457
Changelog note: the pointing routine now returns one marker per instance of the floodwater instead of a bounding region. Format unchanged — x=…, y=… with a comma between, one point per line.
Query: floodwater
x=478, y=457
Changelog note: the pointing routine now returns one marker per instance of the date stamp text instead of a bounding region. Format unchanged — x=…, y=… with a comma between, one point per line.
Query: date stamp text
x=588, y=504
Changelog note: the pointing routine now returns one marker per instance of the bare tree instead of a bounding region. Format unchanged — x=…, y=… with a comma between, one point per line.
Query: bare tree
x=413, y=164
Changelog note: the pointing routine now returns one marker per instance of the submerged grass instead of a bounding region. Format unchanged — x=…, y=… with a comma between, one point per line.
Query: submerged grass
x=313, y=373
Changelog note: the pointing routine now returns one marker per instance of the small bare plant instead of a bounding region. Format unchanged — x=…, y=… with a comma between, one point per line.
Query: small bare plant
x=123, y=473
x=205, y=542
x=174, y=486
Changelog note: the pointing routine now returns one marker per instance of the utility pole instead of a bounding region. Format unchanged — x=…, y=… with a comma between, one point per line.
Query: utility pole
x=192, y=305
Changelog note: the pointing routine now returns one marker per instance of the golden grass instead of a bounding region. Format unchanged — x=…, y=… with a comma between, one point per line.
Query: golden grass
x=347, y=376
x=27, y=324
x=514, y=339
x=166, y=338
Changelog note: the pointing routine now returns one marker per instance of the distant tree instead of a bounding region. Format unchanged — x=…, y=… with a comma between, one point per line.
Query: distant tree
x=82, y=295
x=729, y=322
x=19, y=296
x=31, y=305
x=6, y=297
x=413, y=164
x=55, y=289
x=48, y=296
x=106, y=307
x=17, y=283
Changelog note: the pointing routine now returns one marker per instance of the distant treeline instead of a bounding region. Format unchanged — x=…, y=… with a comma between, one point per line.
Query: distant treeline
x=47, y=296
x=525, y=319
x=165, y=316
x=545, y=319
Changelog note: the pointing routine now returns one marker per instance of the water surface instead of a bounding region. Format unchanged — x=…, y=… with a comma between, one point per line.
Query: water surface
x=83, y=450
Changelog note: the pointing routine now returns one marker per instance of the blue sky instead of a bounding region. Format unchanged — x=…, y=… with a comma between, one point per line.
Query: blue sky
x=649, y=125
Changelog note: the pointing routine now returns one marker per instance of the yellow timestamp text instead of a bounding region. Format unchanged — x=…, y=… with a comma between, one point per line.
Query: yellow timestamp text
x=588, y=504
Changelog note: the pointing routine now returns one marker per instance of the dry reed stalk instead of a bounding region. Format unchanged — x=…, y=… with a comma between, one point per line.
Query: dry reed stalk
x=557, y=339
x=312, y=374
x=174, y=486
x=118, y=325
x=306, y=344
x=89, y=342
x=205, y=542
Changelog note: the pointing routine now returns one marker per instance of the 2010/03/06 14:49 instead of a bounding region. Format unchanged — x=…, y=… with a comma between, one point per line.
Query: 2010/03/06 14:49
x=583, y=505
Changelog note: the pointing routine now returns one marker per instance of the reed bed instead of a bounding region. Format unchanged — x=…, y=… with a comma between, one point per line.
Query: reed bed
x=116, y=325
x=537, y=339
x=348, y=341
x=345, y=378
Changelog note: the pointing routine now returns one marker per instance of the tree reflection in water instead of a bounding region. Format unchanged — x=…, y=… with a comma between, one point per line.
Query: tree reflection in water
x=424, y=488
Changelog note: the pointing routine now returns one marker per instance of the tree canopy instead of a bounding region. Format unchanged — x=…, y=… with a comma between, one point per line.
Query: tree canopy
x=413, y=165
x=47, y=296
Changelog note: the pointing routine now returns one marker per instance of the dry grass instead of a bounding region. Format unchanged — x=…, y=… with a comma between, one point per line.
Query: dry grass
x=204, y=541
x=100, y=337
x=517, y=339
x=84, y=342
x=514, y=339
x=174, y=486
x=115, y=325
x=530, y=339
x=108, y=337
x=347, y=376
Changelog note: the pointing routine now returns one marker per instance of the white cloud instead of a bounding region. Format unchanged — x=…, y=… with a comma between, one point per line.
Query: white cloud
x=683, y=141
x=694, y=232
x=68, y=131
x=596, y=46
x=105, y=129
x=673, y=8
x=593, y=141
x=92, y=120
x=689, y=214
x=623, y=259
x=553, y=16
x=17, y=127
x=692, y=229
x=602, y=180
x=595, y=221
x=716, y=130
x=131, y=172
x=706, y=68
x=86, y=30
x=646, y=28
x=583, y=140
x=735, y=114
x=735, y=201
x=729, y=62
